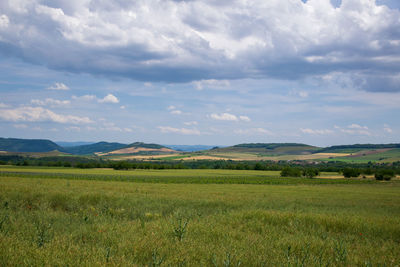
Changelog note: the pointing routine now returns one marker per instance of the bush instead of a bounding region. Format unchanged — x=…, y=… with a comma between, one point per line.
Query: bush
x=351, y=172
x=290, y=172
x=386, y=175
x=310, y=172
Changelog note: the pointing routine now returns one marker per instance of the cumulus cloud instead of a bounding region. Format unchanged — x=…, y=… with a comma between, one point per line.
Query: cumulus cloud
x=253, y=131
x=2, y=105
x=316, y=131
x=50, y=102
x=84, y=97
x=109, y=99
x=356, y=126
x=190, y=123
x=212, y=83
x=39, y=114
x=58, y=86
x=185, y=131
x=172, y=109
x=206, y=41
x=354, y=129
x=176, y=112
x=387, y=129
x=228, y=117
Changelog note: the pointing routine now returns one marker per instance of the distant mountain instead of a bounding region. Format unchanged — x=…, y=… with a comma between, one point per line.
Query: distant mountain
x=69, y=144
x=190, y=148
x=102, y=147
x=269, y=148
x=28, y=145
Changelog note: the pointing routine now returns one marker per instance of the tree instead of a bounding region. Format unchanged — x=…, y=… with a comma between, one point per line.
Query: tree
x=351, y=172
x=290, y=172
x=385, y=174
x=310, y=172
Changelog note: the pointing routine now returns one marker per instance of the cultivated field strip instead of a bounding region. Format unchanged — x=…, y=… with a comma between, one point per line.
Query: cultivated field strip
x=173, y=176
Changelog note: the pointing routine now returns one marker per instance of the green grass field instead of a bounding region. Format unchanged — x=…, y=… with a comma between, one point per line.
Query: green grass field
x=387, y=156
x=189, y=176
x=70, y=221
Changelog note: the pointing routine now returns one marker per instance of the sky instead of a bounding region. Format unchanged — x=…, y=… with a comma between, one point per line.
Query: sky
x=211, y=72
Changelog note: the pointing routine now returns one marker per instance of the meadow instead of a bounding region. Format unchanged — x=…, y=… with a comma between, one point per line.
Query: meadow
x=71, y=217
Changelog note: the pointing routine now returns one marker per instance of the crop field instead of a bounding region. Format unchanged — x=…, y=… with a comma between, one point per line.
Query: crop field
x=189, y=176
x=386, y=155
x=62, y=217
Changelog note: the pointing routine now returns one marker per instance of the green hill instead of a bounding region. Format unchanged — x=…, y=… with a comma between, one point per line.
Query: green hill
x=28, y=145
x=269, y=148
x=93, y=148
x=356, y=148
x=144, y=145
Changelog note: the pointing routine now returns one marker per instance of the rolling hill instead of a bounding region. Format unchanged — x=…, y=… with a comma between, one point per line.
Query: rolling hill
x=248, y=151
x=100, y=147
x=269, y=148
x=140, y=148
x=28, y=145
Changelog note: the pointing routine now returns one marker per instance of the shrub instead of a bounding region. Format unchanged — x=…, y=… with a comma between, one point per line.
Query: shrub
x=310, y=172
x=386, y=175
x=351, y=172
x=290, y=172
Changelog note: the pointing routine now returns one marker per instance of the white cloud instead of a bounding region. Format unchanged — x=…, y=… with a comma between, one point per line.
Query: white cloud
x=244, y=118
x=190, y=123
x=171, y=107
x=224, y=117
x=212, y=83
x=84, y=97
x=253, y=131
x=35, y=114
x=58, y=86
x=110, y=98
x=4, y=21
x=228, y=117
x=205, y=41
x=2, y=105
x=356, y=126
x=316, y=131
x=185, y=131
x=387, y=129
x=176, y=112
x=354, y=129
x=50, y=102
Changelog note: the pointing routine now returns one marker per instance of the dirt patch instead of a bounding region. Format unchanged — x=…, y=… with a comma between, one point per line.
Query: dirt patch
x=131, y=150
x=369, y=152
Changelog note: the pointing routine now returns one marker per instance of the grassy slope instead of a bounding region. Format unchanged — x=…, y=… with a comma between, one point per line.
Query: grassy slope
x=65, y=222
x=391, y=155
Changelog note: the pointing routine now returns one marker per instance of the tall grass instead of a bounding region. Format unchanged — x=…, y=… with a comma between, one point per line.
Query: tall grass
x=57, y=222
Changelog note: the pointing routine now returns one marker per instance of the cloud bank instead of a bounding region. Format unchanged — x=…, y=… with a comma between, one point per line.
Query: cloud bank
x=207, y=41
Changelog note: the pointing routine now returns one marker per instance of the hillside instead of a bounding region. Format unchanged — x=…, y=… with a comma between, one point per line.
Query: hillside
x=28, y=145
x=140, y=148
x=94, y=148
x=356, y=148
x=269, y=148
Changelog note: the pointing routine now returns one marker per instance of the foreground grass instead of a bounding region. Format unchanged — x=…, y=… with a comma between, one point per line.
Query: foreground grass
x=58, y=222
